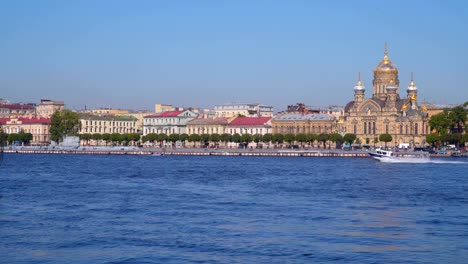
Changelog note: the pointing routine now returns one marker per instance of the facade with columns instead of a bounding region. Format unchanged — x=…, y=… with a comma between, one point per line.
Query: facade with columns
x=386, y=112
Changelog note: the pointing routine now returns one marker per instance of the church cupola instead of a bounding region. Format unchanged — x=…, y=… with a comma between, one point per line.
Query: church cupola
x=385, y=74
x=359, y=90
x=412, y=93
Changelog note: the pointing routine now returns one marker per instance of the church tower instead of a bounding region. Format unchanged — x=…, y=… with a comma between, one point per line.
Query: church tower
x=412, y=93
x=359, y=90
x=385, y=74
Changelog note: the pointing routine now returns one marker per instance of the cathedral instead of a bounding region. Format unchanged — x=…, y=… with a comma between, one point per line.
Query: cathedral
x=386, y=112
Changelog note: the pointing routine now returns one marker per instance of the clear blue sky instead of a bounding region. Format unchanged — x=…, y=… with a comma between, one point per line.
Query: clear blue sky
x=132, y=54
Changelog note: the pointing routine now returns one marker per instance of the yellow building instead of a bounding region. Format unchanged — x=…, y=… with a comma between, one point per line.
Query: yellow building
x=91, y=124
x=385, y=112
x=47, y=108
x=38, y=127
x=159, y=108
x=303, y=123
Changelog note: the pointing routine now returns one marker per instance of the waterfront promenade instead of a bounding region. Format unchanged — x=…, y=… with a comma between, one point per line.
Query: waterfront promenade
x=189, y=152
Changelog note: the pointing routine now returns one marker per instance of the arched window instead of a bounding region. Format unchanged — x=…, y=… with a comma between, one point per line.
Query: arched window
x=365, y=128
x=416, y=128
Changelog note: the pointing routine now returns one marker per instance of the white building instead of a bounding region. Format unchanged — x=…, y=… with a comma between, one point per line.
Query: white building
x=248, y=110
x=169, y=122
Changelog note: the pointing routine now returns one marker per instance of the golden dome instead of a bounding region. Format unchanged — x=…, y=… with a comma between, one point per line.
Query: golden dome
x=386, y=65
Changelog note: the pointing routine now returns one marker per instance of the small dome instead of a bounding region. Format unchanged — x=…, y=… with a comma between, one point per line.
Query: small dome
x=359, y=86
x=412, y=86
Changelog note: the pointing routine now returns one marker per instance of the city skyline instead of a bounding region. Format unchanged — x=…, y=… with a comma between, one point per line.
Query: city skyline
x=132, y=55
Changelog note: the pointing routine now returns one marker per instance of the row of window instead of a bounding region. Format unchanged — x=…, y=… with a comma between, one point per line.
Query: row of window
x=370, y=128
x=110, y=123
x=153, y=121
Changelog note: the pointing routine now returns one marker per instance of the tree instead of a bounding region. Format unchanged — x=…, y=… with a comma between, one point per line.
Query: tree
x=114, y=137
x=106, y=138
x=183, y=137
x=336, y=138
x=64, y=123
x=257, y=138
x=215, y=138
x=277, y=138
x=205, y=139
x=433, y=139
x=289, y=138
x=97, y=137
x=440, y=122
x=267, y=138
x=11, y=138
x=194, y=138
x=3, y=138
x=246, y=138
x=133, y=137
x=310, y=138
x=301, y=138
x=25, y=137
x=174, y=138
x=457, y=117
x=323, y=137
x=226, y=138
x=236, y=138
x=349, y=138
x=385, y=138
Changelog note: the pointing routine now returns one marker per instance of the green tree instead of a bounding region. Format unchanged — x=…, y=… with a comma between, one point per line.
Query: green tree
x=311, y=138
x=246, y=138
x=194, y=138
x=323, y=137
x=349, y=138
x=440, y=122
x=289, y=138
x=301, y=138
x=457, y=117
x=64, y=123
x=183, y=137
x=12, y=138
x=257, y=138
x=277, y=138
x=106, y=138
x=336, y=138
x=215, y=138
x=174, y=138
x=25, y=138
x=134, y=137
x=385, y=138
x=115, y=137
x=433, y=139
x=267, y=138
x=236, y=138
x=226, y=138
x=97, y=137
x=3, y=138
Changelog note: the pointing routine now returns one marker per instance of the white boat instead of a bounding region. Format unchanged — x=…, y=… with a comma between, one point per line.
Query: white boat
x=388, y=156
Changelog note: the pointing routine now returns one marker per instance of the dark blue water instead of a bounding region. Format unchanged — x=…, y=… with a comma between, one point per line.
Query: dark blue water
x=128, y=209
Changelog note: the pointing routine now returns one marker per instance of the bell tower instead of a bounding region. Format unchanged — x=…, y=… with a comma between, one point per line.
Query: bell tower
x=385, y=74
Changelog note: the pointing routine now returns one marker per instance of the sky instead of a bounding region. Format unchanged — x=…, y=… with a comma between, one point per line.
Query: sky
x=200, y=53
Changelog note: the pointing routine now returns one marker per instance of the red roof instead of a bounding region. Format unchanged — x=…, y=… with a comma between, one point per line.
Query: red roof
x=27, y=120
x=166, y=114
x=249, y=121
x=17, y=106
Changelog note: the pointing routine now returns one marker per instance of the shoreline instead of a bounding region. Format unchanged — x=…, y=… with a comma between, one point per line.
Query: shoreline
x=202, y=152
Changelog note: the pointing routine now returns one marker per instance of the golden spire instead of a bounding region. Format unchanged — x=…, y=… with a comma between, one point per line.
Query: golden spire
x=386, y=60
x=424, y=108
x=404, y=106
x=359, y=83
x=412, y=86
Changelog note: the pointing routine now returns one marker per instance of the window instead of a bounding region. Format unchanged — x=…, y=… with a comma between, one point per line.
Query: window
x=416, y=128
x=365, y=128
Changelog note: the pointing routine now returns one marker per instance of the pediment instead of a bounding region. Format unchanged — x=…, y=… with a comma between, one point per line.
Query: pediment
x=369, y=106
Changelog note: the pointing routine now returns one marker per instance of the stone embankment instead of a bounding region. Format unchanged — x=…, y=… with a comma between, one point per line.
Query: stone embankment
x=197, y=152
